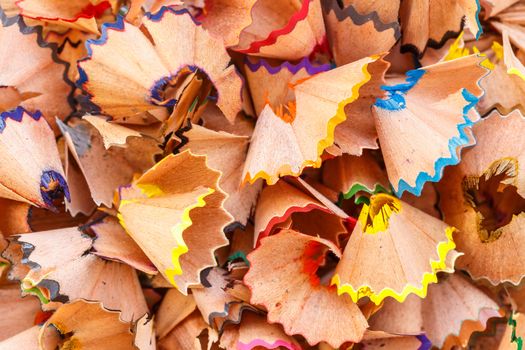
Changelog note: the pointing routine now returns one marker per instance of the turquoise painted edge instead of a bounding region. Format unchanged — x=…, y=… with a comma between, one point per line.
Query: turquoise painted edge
x=453, y=145
x=395, y=100
x=480, y=31
x=239, y=255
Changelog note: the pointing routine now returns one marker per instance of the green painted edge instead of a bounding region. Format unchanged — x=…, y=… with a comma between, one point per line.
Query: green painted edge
x=193, y=104
x=513, y=338
x=37, y=292
x=358, y=187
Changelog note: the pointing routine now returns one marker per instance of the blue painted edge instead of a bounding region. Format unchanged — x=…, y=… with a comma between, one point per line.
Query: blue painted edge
x=157, y=88
x=395, y=99
x=453, y=144
x=156, y=17
x=161, y=83
x=17, y=114
x=117, y=25
x=48, y=176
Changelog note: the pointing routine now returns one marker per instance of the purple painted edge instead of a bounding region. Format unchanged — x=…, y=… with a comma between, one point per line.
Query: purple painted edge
x=119, y=190
x=293, y=68
x=46, y=178
x=426, y=344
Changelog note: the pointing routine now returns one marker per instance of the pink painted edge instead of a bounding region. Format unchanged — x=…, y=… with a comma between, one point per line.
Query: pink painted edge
x=259, y=342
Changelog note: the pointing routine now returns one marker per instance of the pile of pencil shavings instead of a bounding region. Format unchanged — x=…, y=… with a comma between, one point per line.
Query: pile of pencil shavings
x=262, y=174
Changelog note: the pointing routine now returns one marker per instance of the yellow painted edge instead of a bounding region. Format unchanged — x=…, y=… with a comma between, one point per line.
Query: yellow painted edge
x=497, y=48
x=443, y=248
x=337, y=119
x=516, y=72
x=455, y=52
x=177, y=231
x=150, y=190
x=123, y=203
x=28, y=282
x=380, y=220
